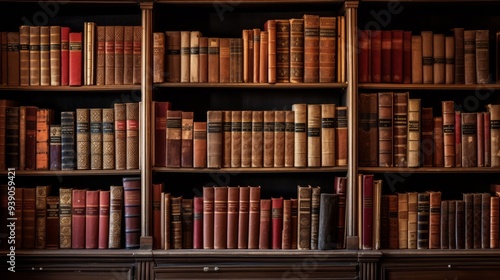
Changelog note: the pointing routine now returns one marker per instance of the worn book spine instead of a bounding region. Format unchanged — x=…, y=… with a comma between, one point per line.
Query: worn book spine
x=290, y=138
x=199, y=144
x=368, y=129
x=128, y=55
x=283, y=50
x=157, y=213
x=412, y=219
x=448, y=109
x=176, y=222
x=246, y=34
x=91, y=219
x=279, y=139
x=103, y=224
x=265, y=224
x=458, y=139
x=220, y=217
x=236, y=139
x=416, y=59
x=286, y=233
x=459, y=224
x=427, y=57
x=82, y=138
x=386, y=56
x=482, y=56
x=311, y=48
x=377, y=199
x=18, y=214
x=423, y=221
x=480, y=139
x=385, y=129
x=477, y=220
x=270, y=27
x=132, y=135
x=34, y=54
x=402, y=220
x=268, y=139
x=194, y=56
x=468, y=199
x=29, y=220
x=256, y=54
x=469, y=139
x=115, y=217
x=313, y=135
x=438, y=53
x=100, y=56
x=12, y=137
x=257, y=138
x=158, y=57
x=226, y=138
x=214, y=139
x=487, y=139
x=400, y=125
x=55, y=147
x=470, y=56
x=96, y=135
x=136, y=53
x=64, y=56
x=254, y=218
x=208, y=217
x=160, y=132
x=44, y=56
x=13, y=59
x=88, y=53
x=407, y=66
x=65, y=200
x=52, y=241
x=224, y=60
x=173, y=138
x=300, y=143
x=340, y=186
x=438, y=142
x=263, y=57
x=120, y=136
x=485, y=220
x=327, y=49
x=396, y=56
x=24, y=55
x=108, y=138
x=413, y=132
x=327, y=234
x=444, y=228
x=198, y=222
x=78, y=219
x=41, y=216
x=451, y=224
x=315, y=205
x=296, y=50
x=132, y=211
x=44, y=119
x=185, y=56
x=109, y=45
x=187, y=139
x=449, y=45
x=233, y=195
x=3, y=36
x=22, y=137
x=341, y=136
x=434, y=219
x=246, y=138
x=375, y=56
x=203, y=50
x=213, y=60
x=327, y=135
x=166, y=228
x=494, y=216
x=494, y=110
x=458, y=34
x=304, y=218
x=173, y=56
x=187, y=223
x=243, y=217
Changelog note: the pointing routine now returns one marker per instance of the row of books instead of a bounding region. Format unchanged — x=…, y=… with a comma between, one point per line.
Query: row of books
x=397, y=56
x=88, y=138
x=309, y=135
x=395, y=131
x=310, y=49
x=53, y=56
x=423, y=220
x=238, y=218
x=76, y=218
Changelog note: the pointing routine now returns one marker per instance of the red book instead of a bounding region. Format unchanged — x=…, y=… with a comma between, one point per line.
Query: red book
x=160, y=138
x=75, y=58
x=30, y=144
x=243, y=217
x=220, y=217
x=103, y=219
x=254, y=218
x=397, y=56
x=277, y=221
x=91, y=219
x=367, y=196
x=157, y=189
x=386, y=56
x=65, y=55
x=376, y=56
x=364, y=56
x=407, y=57
x=208, y=217
x=480, y=139
x=458, y=139
x=265, y=223
x=232, y=217
x=132, y=213
x=487, y=139
x=78, y=219
x=197, y=222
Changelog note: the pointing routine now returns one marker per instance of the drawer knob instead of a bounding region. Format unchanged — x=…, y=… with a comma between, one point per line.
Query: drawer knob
x=216, y=268
x=205, y=269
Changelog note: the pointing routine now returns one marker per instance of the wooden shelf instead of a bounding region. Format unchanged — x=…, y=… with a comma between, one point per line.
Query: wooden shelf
x=80, y=253
x=429, y=170
x=111, y=172
x=68, y=88
x=257, y=253
x=415, y=253
x=82, y=1
x=250, y=170
x=254, y=85
x=212, y=2
x=387, y=86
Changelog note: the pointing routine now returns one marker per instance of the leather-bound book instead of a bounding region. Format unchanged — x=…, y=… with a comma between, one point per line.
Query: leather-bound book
x=226, y=138
x=469, y=139
x=375, y=56
x=44, y=119
x=458, y=34
x=368, y=129
x=128, y=55
x=108, y=138
x=3, y=56
x=246, y=53
x=412, y=219
x=268, y=139
x=233, y=196
x=103, y=225
x=187, y=139
x=24, y=55
x=64, y=55
x=233, y=60
x=416, y=59
x=41, y=216
x=67, y=140
x=173, y=56
x=270, y=27
x=449, y=54
x=160, y=132
x=341, y=49
x=327, y=49
x=4, y=104
x=487, y=138
x=428, y=144
x=82, y=138
x=423, y=221
x=137, y=54
x=458, y=139
x=295, y=222
x=203, y=50
x=166, y=217
x=438, y=142
x=132, y=140
x=115, y=217
x=220, y=217
x=213, y=60
x=194, y=57
x=451, y=224
x=28, y=221
x=407, y=67
x=470, y=56
x=185, y=56
x=198, y=222
x=386, y=55
x=91, y=219
x=494, y=201
x=313, y=135
x=239, y=60
x=187, y=223
x=96, y=134
x=427, y=57
x=158, y=57
x=315, y=205
x=214, y=139
x=109, y=53
x=54, y=147
x=44, y=55
x=176, y=222
x=296, y=50
x=367, y=212
x=65, y=219
x=402, y=220
x=174, y=138
x=132, y=211
x=413, y=132
x=477, y=220
x=100, y=56
x=208, y=217
x=265, y=224
x=340, y=185
x=459, y=224
x=246, y=138
x=393, y=222
x=34, y=53
x=327, y=134
x=279, y=139
x=283, y=32
x=468, y=199
x=438, y=53
x=120, y=136
x=18, y=214
x=480, y=139
x=290, y=138
x=396, y=56
x=300, y=150
x=243, y=207
x=78, y=219
x=52, y=240
x=256, y=54
x=22, y=137
x=199, y=144
x=341, y=136
x=286, y=233
x=235, y=138
x=400, y=125
x=485, y=220
x=257, y=138
x=311, y=48
x=304, y=218
x=224, y=60
x=327, y=235
x=377, y=200
x=263, y=57
x=434, y=219
x=494, y=110
x=444, y=229
x=449, y=133
x=385, y=132
x=12, y=137
x=482, y=56
x=89, y=53
x=75, y=59
x=254, y=218
x=157, y=196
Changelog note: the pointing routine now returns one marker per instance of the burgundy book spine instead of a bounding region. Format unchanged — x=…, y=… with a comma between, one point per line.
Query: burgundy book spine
x=254, y=218
x=65, y=55
x=75, y=58
x=132, y=213
x=243, y=217
x=197, y=222
x=386, y=56
x=458, y=139
x=364, y=56
x=78, y=219
x=157, y=190
x=397, y=56
x=367, y=212
x=208, y=217
x=340, y=186
x=376, y=56
x=160, y=111
x=427, y=137
x=407, y=67
x=480, y=139
x=277, y=221
x=265, y=223
x=103, y=219
x=220, y=217
x=30, y=145
x=91, y=219
x=232, y=217
x=487, y=139
x=448, y=111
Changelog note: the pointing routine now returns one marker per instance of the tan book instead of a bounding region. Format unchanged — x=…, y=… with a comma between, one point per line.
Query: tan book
x=270, y=27
x=416, y=59
x=224, y=60
x=470, y=56
x=427, y=57
x=24, y=55
x=341, y=136
x=494, y=110
x=300, y=143
x=268, y=139
x=108, y=138
x=236, y=139
x=246, y=138
x=377, y=201
x=438, y=53
x=137, y=57
x=89, y=51
x=279, y=139
x=257, y=138
x=203, y=50
x=109, y=45
x=120, y=136
x=327, y=49
x=41, y=216
x=296, y=50
x=34, y=55
x=214, y=139
x=186, y=156
x=256, y=55
x=100, y=77
x=449, y=54
x=226, y=138
x=314, y=135
x=194, y=57
x=289, y=138
x=96, y=137
x=341, y=46
x=82, y=138
x=185, y=56
x=385, y=129
x=413, y=132
x=128, y=55
x=199, y=144
x=132, y=139
x=173, y=56
x=158, y=57
x=263, y=57
x=65, y=195
x=246, y=54
x=403, y=220
x=213, y=60
x=327, y=135
x=412, y=219
x=45, y=56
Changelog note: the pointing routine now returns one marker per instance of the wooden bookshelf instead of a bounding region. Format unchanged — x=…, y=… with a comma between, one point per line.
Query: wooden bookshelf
x=255, y=170
x=255, y=85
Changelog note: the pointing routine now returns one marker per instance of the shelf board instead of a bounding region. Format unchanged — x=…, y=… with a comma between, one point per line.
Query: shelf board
x=429, y=170
x=388, y=86
x=111, y=172
x=71, y=88
x=250, y=170
x=425, y=253
x=254, y=85
x=83, y=1
x=249, y=253
x=80, y=253
x=211, y=2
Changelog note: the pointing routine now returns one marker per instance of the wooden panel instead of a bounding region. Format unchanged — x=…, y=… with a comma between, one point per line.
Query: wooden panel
x=456, y=274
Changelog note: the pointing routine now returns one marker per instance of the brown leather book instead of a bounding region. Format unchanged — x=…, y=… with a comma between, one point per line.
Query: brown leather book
x=213, y=60
x=109, y=45
x=187, y=223
x=385, y=126
x=120, y=136
x=235, y=138
x=52, y=240
x=157, y=215
x=11, y=137
x=265, y=224
x=403, y=220
x=327, y=134
x=327, y=49
x=459, y=224
x=412, y=219
x=423, y=221
x=283, y=32
x=214, y=139
x=487, y=138
x=246, y=53
x=44, y=55
x=100, y=77
x=198, y=222
x=458, y=34
x=187, y=139
x=91, y=219
x=416, y=59
x=414, y=132
x=132, y=140
x=166, y=217
x=28, y=221
x=270, y=27
x=3, y=56
x=44, y=119
x=494, y=110
x=449, y=54
x=438, y=142
x=393, y=222
x=468, y=199
x=375, y=56
x=386, y=55
x=434, y=219
x=315, y=205
x=103, y=226
x=243, y=216
x=407, y=67
x=173, y=56
x=438, y=53
x=119, y=54
x=340, y=186
x=368, y=129
x=314, y=135
x=480, y=139
x=263, y=57
x=160, y=131
x=304, y=218
x=311, y=48
x=4, y=104
x=78, y=219
x=137, y=54
x=444, y=230
x=257, y=138
x=158, y=57
x=469, y=139
x=341, y=136
x=185, y=56
x=494, y=235
x=132, y=211
x=400, y=125
x=256, y=55
x=220, y=217
x=224, y=61
x=18, y=214
x=254, y=218
x=296, y=50
x=268, y=141
x=250, y=67
x=41, y=216
x=22, y=137
x=327, y=221
x=34, y=71
x=482, y=56
x=128, y=55
x=54, y=147
x=452, y=209
x=470, y=56
x=24, y=55
x=286, y=233
x=65, y=211
x=203, y=50
x=226, y=138
x=96, y=134
x=115, y=217
x=396, y=56
x=233, y=60
x=246, y=138
x=477, y=222
x=300, y=142
x=176, y=222
x=82, y=138
x=290, y=138
x=174, y=138
x=427, y=57
x=428, y=144
x=295, y=222
x=208, y=217
x=194, y=57
x=458, y=138
x=199, y=144
x=233, y=196
x=279, y=139
x=108, y=138
x=485, y=220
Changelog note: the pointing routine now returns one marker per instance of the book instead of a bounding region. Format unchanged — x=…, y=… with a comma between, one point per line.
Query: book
x=300, y=141
x=44, y=118
x=482, y=56
x=224, y=60
x=34, y=53
x=311, y=48
x=368, y=129
x=427, y=140
x=375, y=56
x=75, y=59
x=29, y=218
x=52, y=223
x=458, y=34
x=89, y=51
x=175, y=222
x=327, y=234
x=55, y=147
x=494, y=111
x=64, y=55
x=12, y=137
x=396, y=56
x=314, y=135
x=65, y=219
x=257, y=138
x=103, y=225
x=263, y=57
x=187, y=223
x=485, y=220
x=236, y=139
x=208, y=218
x=392, y=222
x=290, y=138
x=220, y=217
x=173, y=56
x=468, y=199
x=469, y=139
x=45, y=55
x=166, y=219
x=136, y=54
x=115, y=216
x=41, y=216
x=199, y=144
x=186, y=139
x=254, y=217
x=246, y=138
x=279, y=139
x=203, y=50
x=402, y=220
x=412, y=219
x=132, y=135
x=158, y=57
x=341, y=136
x=458, y=139
x=91, y=219
x=459, y=224
x=470, y=56
x=197, y=222
x=18, y=214
x=340, y=187
x=226, y=138
x=78, y=219
x=96, y=137
x=435, y=219
x=494, y=234
x=327, y=49
x=487, y=138
x=449, y=133
x=283, y=31
x=480, y=139
x=108, y=138
x=407, y=54
x=24, y=55
x=233, y=195
x=327, y=135
x=213, y=60
x=67, y=140
x=416, y=59
x=128, y=55
x=277, y=222
x=265, y=224
x=157, y=213
x=427, y=57
x=385, y=129
x=268, y=139
x=82, y=138
x=386, y=55
x=304, y=218
x=22, y=137
x=423, y=221
x=438, y=53
x=444, y=230
x=296, y=50
x=451, y=224
x=400, y=126
x=286, y=242
x=438, y=142
x=270, y=27
x=100, y=71
x=413, y=132
x=214, y=139
x=449, y=54
x=160, y=131
x=194, y=57
x=315, y=205
x=132, y=211
x=243, y=217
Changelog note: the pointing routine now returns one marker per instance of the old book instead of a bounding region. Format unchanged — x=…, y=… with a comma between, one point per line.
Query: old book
x=224, y=60
x=82, y=138
x=226, y=138
x=470, y=56
x=393, y=226
x=458, y=139
x=276, y=222
x=24, y=55
x=185, y=56
x=128, y=55
x=438, y=142
x=257, y=138
x=400, y=125
x=52, y=223
x=198, y=222
x=485, y=220
x=100, y=71
x=434, y=219
x=444, y=228
x=438, y=53
x=449, y=133
x=115, y=217
x=213, y=60
x=187, y=223
x=477, y=224
x=300, y=142
x=12, y=137
x=22, y=137
x=233, y=60
x=494, y=111
x=427, y=137
x=374, y=42
x=469, y=139
x=136, y=53
x=44, y=119
x=295, y=222
x=173, y=56
x=78, y=219
x=314, y=135
x=265, y=224
x=327, y=49
x=315, y=205
x=246, y=138
x=246, y=34
x=482, y=56
x=4, y=104
x=311, y=48
x=132, y=211
x=459, y=224
x=199, y=144
x=157, y=215
x=109, y=53
x=64, y=55
x=203, y=50
x=480, y=139
x=451, y=224
x=103, y=225
x=29, y=221
x=341, y=47
x=132, y=135
x=18, y=214
x=254, y=218
x=34, y=54
x=327, y=234
x=304, y=218
x=327, y=134
x=397, y=56
x=44, y=55
x=290, y=138
x=256, y=54
x=279, y=139
x=283, y=31
x=494, y=201
x=407, y=66
x=89, y=52
x=268, y=139
x=194, y=56
x=468, y=199
x=368, y=129
x=91, y=219
x=55, y=147
x=341, y=136
x=75, y=59
x=377, y=199
x=449, y=54
x=340, y=186
x=173, y=138
x=458, y=34
x=270, y=27
x=427, y=57
x=41, y=216
x=65, y=212
x=239, y=60
x=214, y=139
x=186, y=139
x=423, y=221
x=386, y=55
x=68, y=140
x=296, y=50
x=412, y=219
x=158, y=57
x=263, y=57
x=385, y=129
x=176, y=222
x=236, y=139
x=96, y=135
x=233, y=195
x=108, y=138
x=3, y=56
x=160, y=131
x=220, y=217
x=487, y=138
x=286, y=233
x=403, y=220
x=243, y=217
x=413, y=132
x=416, y=59
x=208, y=217
x=166, y=218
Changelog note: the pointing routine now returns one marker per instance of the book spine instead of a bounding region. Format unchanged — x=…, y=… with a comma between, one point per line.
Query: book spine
x=300, y=142
x=108, y=138
x=368, y=129
x=296, y=50
x=157, y=232
x=480, y=139
x=286, y=235
x=268, y=139
x=485, y=220
x=41, y=216
x=198, y=223
x=158, y=57
x=173, y=56
x=166, y=228
x=55, y=55
x=434, y=220
x=283, y=32
x=468, y=199
x=402, y=219
x=88, y=52
x=65, y=200
x=341, y=136
x=235, y=138
x=203, y=50
x=132, y=135
x=68, y=140
x=340, y=186
x=477, y=222
x=226, y=138
x=213, y=60
x=13, y=59
x=386, y=55
x=257, y=138
x=438, y=142
x=214, y=139
x=470, y=56
x=132, y=211
x=246, y=138
x=64, y=56
x=185, y=56
x=375, y=56
x=55, y=147
x=115, y=217
x=494, y=215
x=458, y=34
x=438, y=52
x=254, y=218
x=265, y=224
x=91, y=219
x=400, y=124
x=224, y=60
x=396, y=56
x=173, y=138
x=12, y=137
x=451, y=224
x=393, y=222
x=109, y=45
x=412, y=219
x=233, y=195
x=449, y=59
x=444, y=230
x=137, y=57
x=487, y=139
x=176, y=223
x=423, y=221
x=482, y=56
x=187, y=223
x=416, y=59
x=494, y=111
x=103, y=233
x=407, y=66
x=385, y=132
x=96, y=135
x=44, y=55
x=24, y=55
x=270, y=27
x=315, y=204
x=313, y=135
x=52, y=241
x=100, y=77
x=427, y=57
x=304, y=218
x=459, y=224
x=208, y=218
x=199, y=144
x=29, y=221
x=128, y=55
x=290, y=138
x=263, y=58
x=243, y=217
x=311, y=48
x=82, y=139
x=469, y=139
x=220, y=217
x=3, y=36
x=449, y=133
x=327, y=49
x=34, y=54
x=194, y=56
x=75, y=59
x=327, y=221
x=18, y=214
x=42, y=139
x=458, y=139
x=78, y=219
x=328, y=135
x=279, y=139
x=187, y=139
x=413, y=132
